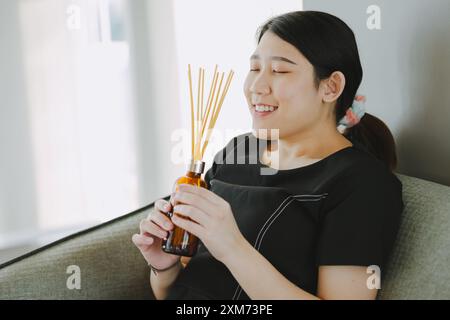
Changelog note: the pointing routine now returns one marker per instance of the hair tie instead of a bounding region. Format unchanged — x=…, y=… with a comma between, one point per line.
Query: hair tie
x=353, y=114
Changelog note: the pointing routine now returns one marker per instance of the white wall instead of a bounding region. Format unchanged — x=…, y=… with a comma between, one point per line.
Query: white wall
x=406, y=76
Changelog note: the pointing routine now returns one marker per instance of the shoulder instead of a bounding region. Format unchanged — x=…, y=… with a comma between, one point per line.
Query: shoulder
x=366, y=182
x=362, y=175
x=369, y=170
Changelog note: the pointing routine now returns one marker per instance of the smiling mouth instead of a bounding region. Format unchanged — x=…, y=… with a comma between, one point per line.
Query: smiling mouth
x=263, y=109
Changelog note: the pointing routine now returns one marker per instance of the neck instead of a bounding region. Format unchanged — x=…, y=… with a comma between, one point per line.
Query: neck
x=310, y=145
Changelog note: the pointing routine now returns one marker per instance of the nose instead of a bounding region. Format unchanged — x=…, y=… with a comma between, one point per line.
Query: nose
x=260, y=85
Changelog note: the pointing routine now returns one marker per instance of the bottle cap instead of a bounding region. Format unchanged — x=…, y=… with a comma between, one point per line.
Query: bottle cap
x=196, y=166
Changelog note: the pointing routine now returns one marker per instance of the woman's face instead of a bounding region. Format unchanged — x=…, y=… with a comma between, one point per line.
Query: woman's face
x=281, y=76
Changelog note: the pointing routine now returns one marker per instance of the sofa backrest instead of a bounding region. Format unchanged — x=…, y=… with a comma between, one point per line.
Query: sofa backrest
x=419, y=265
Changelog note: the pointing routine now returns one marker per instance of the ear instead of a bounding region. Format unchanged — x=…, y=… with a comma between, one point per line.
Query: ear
x=333, y=87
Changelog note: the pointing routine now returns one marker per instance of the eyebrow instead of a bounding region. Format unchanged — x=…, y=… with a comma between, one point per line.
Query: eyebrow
x=256, y=56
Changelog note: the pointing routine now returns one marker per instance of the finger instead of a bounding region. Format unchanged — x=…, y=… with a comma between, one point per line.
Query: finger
x=174, y=186
x=202, y=192
x=162, y=205
x=172, y=200
x=190, y=226
x=193, y=213
x=174, y=189
x=141, y=240
x=195, y=200
x=161, y=220
x=153, y=229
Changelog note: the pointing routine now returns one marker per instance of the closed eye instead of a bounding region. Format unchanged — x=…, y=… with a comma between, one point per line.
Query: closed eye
x=274, y=71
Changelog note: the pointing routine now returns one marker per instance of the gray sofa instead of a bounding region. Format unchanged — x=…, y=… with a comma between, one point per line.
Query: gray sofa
x=112, y=268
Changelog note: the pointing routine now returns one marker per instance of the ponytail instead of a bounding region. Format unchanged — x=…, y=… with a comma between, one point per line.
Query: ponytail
x=375, y=137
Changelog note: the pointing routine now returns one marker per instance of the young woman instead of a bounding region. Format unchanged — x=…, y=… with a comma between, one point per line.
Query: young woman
x=331, y=210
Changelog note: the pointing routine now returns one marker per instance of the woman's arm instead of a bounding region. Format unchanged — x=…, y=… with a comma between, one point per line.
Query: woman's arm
x=162, y=282
x=266, y=282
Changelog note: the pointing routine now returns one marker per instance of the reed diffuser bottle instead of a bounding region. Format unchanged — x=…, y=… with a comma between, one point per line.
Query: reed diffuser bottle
x=180, y=241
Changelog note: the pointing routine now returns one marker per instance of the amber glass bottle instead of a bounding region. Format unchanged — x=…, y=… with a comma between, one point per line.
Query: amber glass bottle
x=179, y=241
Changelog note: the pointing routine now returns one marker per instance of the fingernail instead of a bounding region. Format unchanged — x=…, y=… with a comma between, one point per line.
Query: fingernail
x=166, y=207
x=167, y=224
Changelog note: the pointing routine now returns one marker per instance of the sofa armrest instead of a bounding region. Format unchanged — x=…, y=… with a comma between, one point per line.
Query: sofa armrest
x=110, y=266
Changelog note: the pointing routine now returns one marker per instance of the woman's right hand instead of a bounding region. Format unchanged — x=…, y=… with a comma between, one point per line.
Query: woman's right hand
x=152, y=230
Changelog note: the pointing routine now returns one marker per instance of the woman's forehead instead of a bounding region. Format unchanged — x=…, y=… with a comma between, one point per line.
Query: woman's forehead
x=272, y=47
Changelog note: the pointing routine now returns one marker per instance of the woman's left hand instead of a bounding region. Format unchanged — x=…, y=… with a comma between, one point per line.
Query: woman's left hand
x=213, y=221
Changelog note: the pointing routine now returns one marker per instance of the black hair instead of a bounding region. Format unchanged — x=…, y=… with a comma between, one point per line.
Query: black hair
x=329, y=45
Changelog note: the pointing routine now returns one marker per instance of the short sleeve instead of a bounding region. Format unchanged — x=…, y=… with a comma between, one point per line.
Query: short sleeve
x=360, y=219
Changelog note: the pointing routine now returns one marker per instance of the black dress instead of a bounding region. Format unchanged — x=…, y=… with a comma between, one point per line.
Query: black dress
x=342, y=210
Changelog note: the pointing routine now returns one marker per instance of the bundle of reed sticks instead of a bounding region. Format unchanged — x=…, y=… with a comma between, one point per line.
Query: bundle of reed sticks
x=206, y=116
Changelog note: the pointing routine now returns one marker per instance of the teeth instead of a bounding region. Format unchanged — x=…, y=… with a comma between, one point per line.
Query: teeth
x=264, y=108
